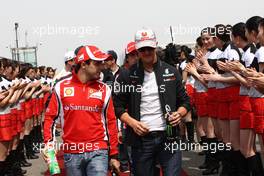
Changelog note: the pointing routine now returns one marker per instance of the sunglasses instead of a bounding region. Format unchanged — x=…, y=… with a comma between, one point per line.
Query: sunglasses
x=145, y=49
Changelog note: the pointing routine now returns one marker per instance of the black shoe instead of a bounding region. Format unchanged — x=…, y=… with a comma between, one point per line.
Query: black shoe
x=36, y=151
x=240, y=163
x=212, y=169
x=25, y=164
x=191, y=145
x=224, y=171
x=2, y=168
x=22, y=171
x=202, y=142
x=211, y=163
x=205, y=164
x=212, y=166
x=16, y=170
x=21, y=155
x=228, y=166
x=255, y=165
x=32, y=156
x=201, y=153
x=13, y=164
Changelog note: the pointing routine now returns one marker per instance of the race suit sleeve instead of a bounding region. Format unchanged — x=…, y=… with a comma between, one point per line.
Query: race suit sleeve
x=111, y=124
x=52, y=113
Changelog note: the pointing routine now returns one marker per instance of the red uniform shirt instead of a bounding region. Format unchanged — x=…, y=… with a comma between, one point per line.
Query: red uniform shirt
x=87, y=116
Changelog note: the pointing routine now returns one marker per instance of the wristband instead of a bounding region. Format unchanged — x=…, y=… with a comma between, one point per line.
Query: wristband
x=114, y=156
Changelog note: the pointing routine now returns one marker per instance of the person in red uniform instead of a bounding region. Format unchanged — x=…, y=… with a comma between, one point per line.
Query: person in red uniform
x=84, y=106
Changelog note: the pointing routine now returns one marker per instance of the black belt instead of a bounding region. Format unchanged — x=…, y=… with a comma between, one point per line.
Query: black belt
x=156, y=133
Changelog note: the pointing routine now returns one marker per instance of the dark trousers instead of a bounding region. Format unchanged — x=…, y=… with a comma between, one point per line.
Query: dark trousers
x=125, y=156
x=153, y=150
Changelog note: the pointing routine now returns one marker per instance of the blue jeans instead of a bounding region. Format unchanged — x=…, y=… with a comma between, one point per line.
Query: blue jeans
x=88, y=163
x=152, y=151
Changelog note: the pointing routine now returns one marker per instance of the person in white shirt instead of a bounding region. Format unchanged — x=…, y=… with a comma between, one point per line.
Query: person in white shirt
x=69, y=62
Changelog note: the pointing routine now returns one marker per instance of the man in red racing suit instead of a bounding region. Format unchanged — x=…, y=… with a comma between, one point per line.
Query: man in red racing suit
x=84, y=107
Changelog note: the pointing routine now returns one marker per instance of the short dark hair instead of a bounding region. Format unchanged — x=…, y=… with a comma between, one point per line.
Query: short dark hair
x=252, y=23
x=78, y=66
x=77, y=50
x=49, y=69
x=66, y=62
x=41, y=69
x=24, y=69
x=186, y=50
x=199, y=41
x=172, y=54
x=261, y=23
x=6, y=63
x=113, y=54
x=223, y=32
x=239, y=30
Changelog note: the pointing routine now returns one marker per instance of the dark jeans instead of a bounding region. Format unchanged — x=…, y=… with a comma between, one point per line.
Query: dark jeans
x=152, y=151
x=124, y=156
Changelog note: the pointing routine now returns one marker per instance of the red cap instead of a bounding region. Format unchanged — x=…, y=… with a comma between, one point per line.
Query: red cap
x=130, y=47
x=90, y=52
